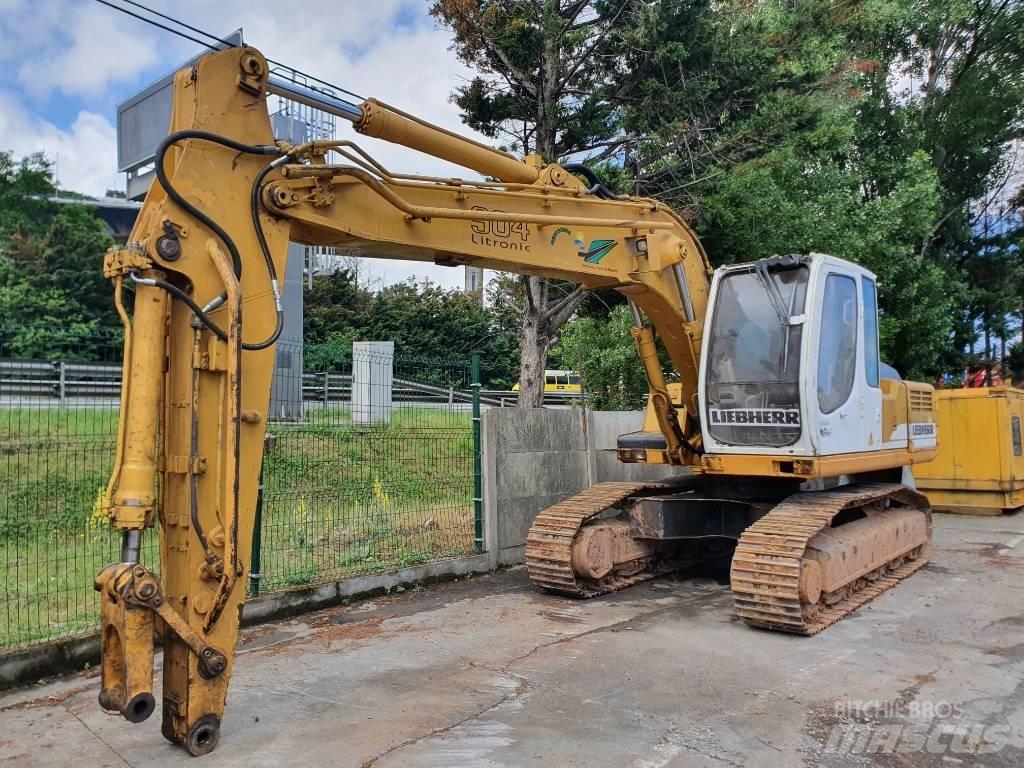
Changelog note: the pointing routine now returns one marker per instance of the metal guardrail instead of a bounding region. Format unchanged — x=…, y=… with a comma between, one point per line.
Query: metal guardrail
x=61, y=380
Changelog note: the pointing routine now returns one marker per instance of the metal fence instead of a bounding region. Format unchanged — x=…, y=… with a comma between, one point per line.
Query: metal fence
x=378, y=473
x=354, y=480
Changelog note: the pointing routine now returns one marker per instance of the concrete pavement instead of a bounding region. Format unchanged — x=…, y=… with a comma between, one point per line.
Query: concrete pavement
x=489, y=672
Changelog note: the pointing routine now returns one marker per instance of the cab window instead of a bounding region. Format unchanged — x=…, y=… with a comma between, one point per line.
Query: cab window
x=753, y=373
x=870, y=331
x=837, y=347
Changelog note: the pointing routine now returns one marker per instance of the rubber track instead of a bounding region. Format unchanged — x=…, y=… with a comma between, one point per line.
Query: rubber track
x=549, y=542
x=766, y=566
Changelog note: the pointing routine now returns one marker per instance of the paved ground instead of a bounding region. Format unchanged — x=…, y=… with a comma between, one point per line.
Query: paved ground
x=488, y=672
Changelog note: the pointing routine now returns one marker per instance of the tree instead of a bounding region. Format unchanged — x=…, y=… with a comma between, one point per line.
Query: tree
x=541, y=89
x=775, y=124
x=334, y=308
x=426, y=322
x=602, y=351
x=965, y=61
x=25, y=188
x=51, y=267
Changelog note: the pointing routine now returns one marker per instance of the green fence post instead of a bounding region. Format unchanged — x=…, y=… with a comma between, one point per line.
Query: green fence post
x=478, y=493
x=257, y=536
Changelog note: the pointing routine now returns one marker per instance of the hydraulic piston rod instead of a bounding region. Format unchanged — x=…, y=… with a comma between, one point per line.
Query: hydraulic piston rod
x=325, y=102
x=372, y=118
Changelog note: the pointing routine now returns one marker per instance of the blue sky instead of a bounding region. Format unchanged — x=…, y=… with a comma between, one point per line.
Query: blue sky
x=69, y=62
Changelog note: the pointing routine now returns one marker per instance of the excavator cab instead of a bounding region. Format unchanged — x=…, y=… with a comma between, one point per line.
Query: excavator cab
x=791, y=368
x=790, y=377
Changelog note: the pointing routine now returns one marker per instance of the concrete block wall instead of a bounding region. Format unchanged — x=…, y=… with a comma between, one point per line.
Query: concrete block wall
x=533, y=458
x=603, y=430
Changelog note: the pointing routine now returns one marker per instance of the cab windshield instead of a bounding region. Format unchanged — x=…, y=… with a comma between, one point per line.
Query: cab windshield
x=753, y=374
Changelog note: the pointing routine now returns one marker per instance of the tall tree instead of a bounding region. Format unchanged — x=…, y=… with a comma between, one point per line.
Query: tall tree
x=540, y=88
x=776, y=124
x=963, y=61
x=51, y=266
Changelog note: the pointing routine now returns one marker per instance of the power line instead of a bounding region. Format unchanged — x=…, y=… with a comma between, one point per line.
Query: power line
x=325, y=84
x=178, y=22
x=164, y=27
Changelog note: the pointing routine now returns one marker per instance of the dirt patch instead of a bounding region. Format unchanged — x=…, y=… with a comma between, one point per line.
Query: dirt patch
x=54, y=700
x=352, y=631
x=560, y=616
x=1012, y=652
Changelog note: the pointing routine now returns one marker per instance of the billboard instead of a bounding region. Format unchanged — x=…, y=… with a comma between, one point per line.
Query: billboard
x=144, y=119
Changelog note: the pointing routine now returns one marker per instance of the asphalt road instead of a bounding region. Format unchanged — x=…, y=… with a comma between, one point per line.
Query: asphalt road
x=488, y=672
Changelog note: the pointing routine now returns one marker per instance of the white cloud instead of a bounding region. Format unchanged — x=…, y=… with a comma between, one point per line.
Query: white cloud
x=84, y=154
x=77, y=48
x=83, y=49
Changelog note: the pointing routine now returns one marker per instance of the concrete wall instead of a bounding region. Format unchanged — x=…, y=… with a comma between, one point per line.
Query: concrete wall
x=533, y=458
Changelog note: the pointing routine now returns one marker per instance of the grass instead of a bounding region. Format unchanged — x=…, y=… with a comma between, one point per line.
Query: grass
x=339, y=500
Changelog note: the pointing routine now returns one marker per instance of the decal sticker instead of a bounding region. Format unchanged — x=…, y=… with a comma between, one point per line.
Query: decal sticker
x=922, y=430
x=755, y=417
x=591, y=254
x=560, y=231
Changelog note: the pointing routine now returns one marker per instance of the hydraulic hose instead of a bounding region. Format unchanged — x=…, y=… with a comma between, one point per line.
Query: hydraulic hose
x=229, y=243
x=597, y=187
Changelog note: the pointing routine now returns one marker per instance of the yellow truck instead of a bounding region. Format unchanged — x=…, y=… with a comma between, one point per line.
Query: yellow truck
x=560, y=381
x=979, y=468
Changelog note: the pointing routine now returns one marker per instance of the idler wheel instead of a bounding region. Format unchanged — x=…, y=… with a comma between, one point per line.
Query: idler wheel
x=593, y=552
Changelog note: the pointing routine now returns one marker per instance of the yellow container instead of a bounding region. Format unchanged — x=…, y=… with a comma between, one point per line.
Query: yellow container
x=979, y=469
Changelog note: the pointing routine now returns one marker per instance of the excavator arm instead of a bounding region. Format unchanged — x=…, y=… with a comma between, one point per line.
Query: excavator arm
x=206, y=259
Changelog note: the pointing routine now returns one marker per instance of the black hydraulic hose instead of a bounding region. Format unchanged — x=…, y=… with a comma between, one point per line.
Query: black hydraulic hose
x=584, y=171
x=596, y=186
x=185, y=299
x=254, y=204
x=229, y=243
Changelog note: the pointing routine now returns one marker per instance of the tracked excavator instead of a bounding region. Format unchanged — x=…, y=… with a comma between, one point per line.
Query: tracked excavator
x=791, y=440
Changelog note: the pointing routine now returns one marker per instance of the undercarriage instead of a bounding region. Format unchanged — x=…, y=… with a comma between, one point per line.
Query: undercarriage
x=800, y=562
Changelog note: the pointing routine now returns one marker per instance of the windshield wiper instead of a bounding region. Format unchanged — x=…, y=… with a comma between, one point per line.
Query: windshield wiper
x=772, y=289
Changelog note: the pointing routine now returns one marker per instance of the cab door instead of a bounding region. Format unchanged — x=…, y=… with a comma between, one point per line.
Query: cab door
x=838, y=392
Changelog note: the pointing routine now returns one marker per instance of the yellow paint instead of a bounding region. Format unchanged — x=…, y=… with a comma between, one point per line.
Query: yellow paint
x=559, y=381
x=811, y=467
x=979, y=466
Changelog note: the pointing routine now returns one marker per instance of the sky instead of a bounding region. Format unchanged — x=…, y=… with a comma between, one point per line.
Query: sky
x=70, y=62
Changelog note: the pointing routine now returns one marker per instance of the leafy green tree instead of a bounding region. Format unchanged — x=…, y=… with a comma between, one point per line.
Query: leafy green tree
x=425, y=321
x=541, y=87
x=601, y=349
x=25, y=187
x=334, y=307
x=776, y=126
x=51, y=268
x=965, y=59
